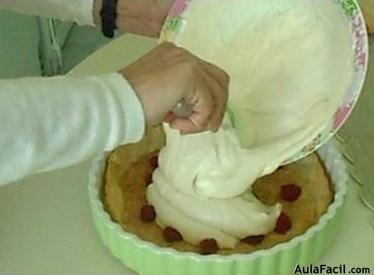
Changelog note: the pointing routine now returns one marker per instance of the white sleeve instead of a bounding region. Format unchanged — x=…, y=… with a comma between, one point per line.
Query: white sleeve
x=48, y=123
x=79, y=11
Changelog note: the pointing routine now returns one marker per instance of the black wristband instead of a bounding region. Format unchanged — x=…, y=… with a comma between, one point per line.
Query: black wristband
x=108, y=15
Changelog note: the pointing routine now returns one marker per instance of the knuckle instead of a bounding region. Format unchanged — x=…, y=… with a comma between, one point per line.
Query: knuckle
x=208, y=112
x=178, y=53
x=190, y=67
x=182, y=55
x=226, y=77
x=166, y=49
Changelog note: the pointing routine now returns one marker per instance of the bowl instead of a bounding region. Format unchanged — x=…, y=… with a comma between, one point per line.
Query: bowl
x=176, y=23
x=147, y=258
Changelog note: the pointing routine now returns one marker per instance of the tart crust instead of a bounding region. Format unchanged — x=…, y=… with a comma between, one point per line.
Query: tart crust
x=128, y=169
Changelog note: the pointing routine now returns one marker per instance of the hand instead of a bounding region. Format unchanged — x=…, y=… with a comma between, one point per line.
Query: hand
x=144, y=17
x=168, y=75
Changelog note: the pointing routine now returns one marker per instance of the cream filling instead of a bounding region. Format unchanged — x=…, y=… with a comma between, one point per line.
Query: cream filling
x=290, y=63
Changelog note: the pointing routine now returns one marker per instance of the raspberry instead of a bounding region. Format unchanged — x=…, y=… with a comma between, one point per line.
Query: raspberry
x=253, y=239
x=153, y=161
x=208, y=246
x=290, y=192
x=283, y=224
x=172, y=235
x=147, y=213
x=148, y=179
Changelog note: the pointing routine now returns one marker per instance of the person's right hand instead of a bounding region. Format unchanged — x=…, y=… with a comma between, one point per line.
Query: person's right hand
x=168, y=75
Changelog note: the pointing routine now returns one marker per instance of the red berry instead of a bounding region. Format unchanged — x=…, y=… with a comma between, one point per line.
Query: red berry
x=148, y=179
x=253, y=239
x=153, y=161
x=283, y=224
x=290, y=192
x=208, y=246
x=172, y=235
x=147, y=213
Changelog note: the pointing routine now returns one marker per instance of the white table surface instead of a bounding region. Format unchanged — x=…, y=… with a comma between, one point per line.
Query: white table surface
x=45, y=221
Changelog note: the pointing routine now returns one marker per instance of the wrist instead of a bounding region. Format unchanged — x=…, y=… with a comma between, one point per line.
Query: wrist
x=98, y=4
x=105, y=15
x=125, y=73
x=132, y=108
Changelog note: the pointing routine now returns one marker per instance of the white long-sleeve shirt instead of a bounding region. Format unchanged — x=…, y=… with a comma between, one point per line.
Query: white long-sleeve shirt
x=48, y=123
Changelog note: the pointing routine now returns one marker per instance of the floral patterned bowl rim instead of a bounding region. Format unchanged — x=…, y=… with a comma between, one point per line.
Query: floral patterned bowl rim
x=175, y=22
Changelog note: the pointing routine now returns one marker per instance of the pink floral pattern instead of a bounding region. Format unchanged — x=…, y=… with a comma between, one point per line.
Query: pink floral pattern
x=341, y=115
x=360, y=40
x=359, y=33
x=178, y=7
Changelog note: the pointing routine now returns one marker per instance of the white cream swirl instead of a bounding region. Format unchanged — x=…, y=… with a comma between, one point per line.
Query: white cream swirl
x=200, y=188
x=290, y=63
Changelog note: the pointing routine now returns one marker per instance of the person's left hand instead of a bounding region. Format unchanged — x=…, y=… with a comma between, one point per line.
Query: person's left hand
x=144, y=17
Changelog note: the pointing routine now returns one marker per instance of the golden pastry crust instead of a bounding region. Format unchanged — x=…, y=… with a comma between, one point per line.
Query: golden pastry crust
x=128, y=169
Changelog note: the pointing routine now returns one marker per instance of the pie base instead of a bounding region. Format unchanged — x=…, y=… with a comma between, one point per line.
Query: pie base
x=128, y=169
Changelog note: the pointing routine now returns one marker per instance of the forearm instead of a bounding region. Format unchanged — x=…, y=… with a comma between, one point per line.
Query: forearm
x=56, y=122
x=79, y=11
